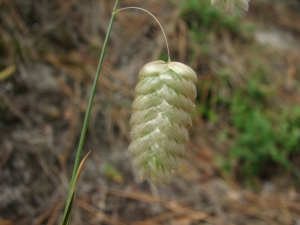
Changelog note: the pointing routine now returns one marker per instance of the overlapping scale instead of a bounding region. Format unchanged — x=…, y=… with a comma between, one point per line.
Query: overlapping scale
x=161, y=115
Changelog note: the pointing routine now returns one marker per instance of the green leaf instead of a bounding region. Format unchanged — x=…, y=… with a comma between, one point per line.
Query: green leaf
x=66, y=218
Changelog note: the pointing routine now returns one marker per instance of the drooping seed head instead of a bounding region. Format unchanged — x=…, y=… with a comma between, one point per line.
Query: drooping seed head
x=161, y=115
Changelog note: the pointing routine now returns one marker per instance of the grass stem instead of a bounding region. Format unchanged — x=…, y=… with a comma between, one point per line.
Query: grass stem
x=169, y=58
x=87, y=116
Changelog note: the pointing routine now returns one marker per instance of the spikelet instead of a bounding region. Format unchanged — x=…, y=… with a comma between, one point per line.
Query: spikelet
x=161, y=115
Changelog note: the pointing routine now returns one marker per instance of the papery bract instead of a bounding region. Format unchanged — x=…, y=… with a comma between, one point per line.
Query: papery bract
x=229, y=5
x=161, y=115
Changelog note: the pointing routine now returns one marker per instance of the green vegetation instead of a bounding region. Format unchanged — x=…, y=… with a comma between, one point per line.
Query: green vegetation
x=266, y=136
x=201, y=18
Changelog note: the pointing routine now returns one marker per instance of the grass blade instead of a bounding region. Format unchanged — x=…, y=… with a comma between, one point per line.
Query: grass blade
x=72, y=191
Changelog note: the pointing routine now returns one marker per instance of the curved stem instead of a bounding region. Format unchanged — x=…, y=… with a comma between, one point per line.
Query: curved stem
x=169, y=59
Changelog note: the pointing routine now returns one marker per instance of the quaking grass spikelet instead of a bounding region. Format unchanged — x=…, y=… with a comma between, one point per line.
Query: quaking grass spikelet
x=161, y=115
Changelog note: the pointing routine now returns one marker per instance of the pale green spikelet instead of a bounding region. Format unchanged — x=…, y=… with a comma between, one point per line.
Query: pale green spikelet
x=161, y=115
x=229, y=5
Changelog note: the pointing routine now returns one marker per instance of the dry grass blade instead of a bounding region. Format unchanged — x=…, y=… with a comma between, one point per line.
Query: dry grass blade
x=7, y=72
x=258, y=54
x=43, y=217
x=72, y=191
x=6, y=222
x=171, y=205
x=16, y=111
x=157, y=219
x=99, y=215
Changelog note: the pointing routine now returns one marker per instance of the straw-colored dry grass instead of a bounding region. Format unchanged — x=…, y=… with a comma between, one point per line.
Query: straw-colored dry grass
x=49, y=53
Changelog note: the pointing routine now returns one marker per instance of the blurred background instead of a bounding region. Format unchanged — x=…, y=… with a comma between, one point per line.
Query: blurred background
x=242, y=163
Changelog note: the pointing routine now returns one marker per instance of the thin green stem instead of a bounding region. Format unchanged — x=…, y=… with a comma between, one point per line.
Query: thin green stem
x=169, y=59
x=88, y=111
